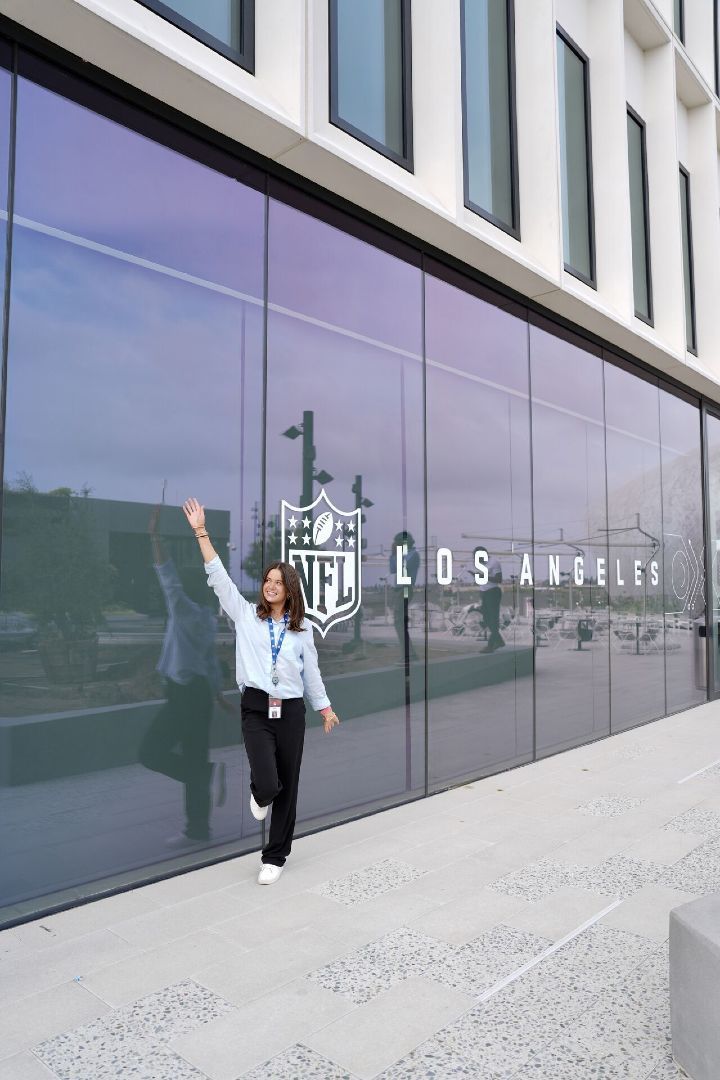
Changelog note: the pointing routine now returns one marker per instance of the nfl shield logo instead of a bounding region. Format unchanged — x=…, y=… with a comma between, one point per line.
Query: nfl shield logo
x=323, y=544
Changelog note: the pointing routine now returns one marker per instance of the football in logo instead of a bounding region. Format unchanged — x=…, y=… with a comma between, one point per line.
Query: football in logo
x=322, y=529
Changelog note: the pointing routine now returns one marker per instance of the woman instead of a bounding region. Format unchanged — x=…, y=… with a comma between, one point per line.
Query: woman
x=277, y=664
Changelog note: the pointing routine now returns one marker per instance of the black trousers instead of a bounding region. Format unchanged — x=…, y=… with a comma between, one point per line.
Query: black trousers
x=274, y=749
x=490, y=600
x=177, y=744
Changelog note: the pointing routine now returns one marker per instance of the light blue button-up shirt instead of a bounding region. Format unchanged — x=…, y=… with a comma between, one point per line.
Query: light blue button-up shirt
x=297, y=664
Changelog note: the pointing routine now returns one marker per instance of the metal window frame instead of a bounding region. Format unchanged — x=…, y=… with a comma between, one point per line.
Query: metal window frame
x=649, y=318
x=585, y=61
x=511, y=227
x=680, y=27
x=404, y=160
x=244, y=57
x=685, y=177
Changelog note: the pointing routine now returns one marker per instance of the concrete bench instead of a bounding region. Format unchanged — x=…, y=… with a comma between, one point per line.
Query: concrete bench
x=695, y=986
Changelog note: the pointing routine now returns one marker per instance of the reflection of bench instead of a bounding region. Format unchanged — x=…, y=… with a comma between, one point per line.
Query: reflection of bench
x=695, y=986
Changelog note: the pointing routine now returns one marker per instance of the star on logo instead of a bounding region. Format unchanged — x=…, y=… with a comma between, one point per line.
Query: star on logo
x=306, y=523
x=338, y=541
x=338, y=525
x=293, y=538
x=351, y=542
x=306, y=538
x=292, y=522
x=351, y=526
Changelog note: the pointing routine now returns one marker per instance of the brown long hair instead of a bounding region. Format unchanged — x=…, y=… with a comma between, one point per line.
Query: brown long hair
x=294, y=603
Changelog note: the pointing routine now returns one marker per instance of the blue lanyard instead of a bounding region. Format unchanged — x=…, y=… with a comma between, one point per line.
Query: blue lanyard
x=275, y=649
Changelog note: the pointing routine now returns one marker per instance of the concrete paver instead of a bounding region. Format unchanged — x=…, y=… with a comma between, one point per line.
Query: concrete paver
x=397, y=946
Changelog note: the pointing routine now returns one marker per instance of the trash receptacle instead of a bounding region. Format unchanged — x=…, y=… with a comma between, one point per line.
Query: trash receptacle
x=700, y=653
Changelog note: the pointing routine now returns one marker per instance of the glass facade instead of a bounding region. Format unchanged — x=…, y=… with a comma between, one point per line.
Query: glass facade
x=488, y=110
x=575, y=160
x=516, y=559
x=225, y=25
x=639, y=222
x=370, y=76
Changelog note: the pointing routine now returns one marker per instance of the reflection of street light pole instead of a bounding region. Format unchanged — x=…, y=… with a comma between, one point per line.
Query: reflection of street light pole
x=308, y=457
x=360, y=503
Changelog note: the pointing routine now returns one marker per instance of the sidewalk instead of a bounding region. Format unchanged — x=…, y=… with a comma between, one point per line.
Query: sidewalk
x=515, y=927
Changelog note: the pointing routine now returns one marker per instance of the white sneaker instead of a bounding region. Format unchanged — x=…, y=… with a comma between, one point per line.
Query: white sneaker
x=258, y=812
x=269, y=874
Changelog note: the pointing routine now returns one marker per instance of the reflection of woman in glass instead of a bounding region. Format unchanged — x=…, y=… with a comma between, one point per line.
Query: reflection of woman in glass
x=277, y=665
x=177, y=741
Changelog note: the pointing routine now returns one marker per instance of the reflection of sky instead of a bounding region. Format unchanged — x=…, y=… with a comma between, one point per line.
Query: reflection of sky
x=324, y=273
x=113, y=186
x=121, y=378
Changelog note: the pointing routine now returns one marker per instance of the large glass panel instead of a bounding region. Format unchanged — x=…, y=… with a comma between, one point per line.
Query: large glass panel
x=712, y=430
x=575, y=161
x=368, y=61
x=487, y=103
x=134, y=381
x=478, y=459
x=684, y=553
x=688, y=269
x=227, y=25
x=344, y=417
x=639, y=217
x=572, y=668
x=635, y=530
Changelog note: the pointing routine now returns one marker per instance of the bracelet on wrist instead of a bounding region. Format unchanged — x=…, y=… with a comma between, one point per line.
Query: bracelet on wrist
x=201, y=535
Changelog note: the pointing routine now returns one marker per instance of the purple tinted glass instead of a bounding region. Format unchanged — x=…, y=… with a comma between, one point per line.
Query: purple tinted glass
x=116, y=188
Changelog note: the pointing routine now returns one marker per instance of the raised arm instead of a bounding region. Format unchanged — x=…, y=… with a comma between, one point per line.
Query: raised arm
x=195, y=513
x=218, y=578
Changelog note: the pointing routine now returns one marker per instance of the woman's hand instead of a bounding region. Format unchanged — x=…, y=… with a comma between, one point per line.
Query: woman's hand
x=329, y=719
x=195, y=513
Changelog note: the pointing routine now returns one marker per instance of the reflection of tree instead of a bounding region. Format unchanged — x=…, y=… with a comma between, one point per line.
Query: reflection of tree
x=257, y=559
x=53, y=569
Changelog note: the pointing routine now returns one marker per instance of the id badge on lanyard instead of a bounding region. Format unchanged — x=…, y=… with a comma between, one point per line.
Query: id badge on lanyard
x=275, y=703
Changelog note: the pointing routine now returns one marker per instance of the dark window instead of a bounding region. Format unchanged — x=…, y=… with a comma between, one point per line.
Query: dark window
x=575, y=160
x=489, y=111
x=228, y=26
x=716, y=47
x=712, y=458
x=370, y=74
x=679, y=19
x=688, y=269
x=639, y=220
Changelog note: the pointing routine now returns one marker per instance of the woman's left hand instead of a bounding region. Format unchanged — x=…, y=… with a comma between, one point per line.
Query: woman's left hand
x=329, y=720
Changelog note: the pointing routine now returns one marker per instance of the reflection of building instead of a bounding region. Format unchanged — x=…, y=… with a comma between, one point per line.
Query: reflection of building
x=119, y=532
x=461, y=317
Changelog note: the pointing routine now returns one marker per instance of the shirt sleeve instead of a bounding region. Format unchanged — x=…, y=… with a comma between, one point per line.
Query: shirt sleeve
x=170, y=584
x=233, y=603
x=312, y=679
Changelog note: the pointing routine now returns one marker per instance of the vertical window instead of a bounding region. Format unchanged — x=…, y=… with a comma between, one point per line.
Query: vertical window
x=575, y=160
x=639, y=222
x=370, y=74
x=489, y=111
x=225, y=25
x=688, y=273
x=679, y=19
